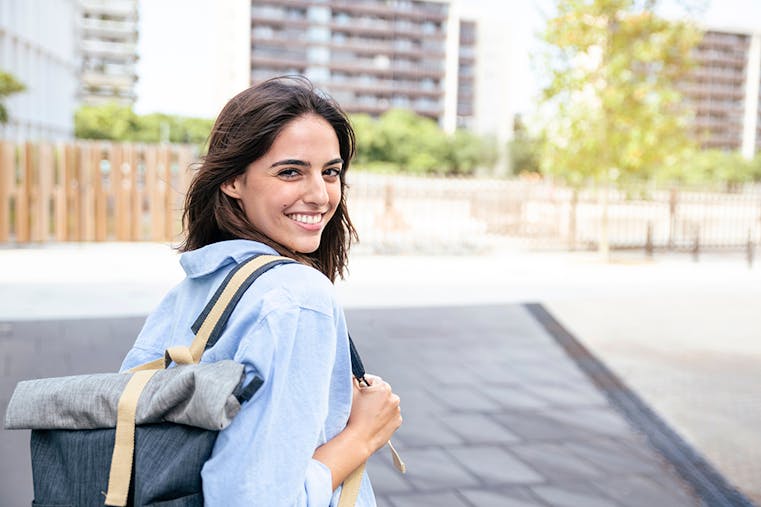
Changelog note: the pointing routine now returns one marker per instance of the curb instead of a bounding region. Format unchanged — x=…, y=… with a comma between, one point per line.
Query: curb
x=709, y=485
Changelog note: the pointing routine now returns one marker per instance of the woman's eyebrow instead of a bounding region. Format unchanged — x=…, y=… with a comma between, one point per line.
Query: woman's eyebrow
x=334, y=161
x=292, y=161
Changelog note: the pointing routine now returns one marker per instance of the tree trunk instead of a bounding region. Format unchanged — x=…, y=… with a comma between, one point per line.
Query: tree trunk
x=603, y=245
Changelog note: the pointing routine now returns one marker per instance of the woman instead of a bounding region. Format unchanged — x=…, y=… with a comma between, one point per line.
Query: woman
x=273, y=182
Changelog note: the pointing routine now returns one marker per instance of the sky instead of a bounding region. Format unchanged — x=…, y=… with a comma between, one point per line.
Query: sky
x=176, y=56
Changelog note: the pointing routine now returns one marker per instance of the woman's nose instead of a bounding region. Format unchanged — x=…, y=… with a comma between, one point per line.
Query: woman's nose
x=317, y=190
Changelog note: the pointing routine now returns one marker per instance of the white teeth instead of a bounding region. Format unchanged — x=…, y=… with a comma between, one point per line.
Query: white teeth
x=306, y=219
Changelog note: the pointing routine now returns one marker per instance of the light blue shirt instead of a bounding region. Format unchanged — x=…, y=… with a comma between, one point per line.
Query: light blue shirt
x=289, y=329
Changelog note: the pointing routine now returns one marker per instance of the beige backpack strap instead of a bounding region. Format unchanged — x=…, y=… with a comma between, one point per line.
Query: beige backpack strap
x=124, y=444
x=398, y=463
x=230, y=288
x=212, y=314
x=350, y=489
x=179, y=354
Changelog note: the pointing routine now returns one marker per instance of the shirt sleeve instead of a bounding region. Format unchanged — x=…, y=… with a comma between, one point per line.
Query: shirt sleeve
x=265, y=456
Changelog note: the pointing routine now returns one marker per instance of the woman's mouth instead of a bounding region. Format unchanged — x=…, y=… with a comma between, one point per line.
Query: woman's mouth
x=306, y=219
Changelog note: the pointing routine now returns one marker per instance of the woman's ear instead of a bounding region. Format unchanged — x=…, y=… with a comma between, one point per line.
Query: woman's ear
x=231, y=187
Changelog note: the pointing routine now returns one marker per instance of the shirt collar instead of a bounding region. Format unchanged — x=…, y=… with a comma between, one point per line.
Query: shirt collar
x=210, y=258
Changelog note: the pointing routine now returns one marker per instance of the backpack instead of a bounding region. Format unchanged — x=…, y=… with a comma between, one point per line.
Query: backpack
x=140, y=438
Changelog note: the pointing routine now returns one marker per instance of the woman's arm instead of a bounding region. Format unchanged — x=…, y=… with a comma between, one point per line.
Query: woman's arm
x=265, y=456
x=375, y=416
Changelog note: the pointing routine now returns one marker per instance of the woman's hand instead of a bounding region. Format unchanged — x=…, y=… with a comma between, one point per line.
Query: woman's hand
x=374, y=417
x=375, y=413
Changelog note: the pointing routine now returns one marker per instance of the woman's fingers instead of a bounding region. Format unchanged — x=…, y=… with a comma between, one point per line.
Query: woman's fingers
x=371, y=379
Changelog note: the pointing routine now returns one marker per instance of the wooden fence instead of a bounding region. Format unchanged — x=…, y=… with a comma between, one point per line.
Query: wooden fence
x=92, y=191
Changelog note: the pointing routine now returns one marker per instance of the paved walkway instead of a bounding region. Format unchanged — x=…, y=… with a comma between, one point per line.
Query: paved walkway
x=496, y=413
x=495, y=410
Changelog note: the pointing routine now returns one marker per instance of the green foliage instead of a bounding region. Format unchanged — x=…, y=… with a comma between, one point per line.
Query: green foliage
x=524, y=150
x=711, y=166
x=120, y=123
x=402, y=141
x=615, y=111
x=8, y=86
x=110, y=121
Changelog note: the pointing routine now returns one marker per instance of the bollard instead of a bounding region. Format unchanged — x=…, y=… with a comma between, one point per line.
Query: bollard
x=696, y=245
x=750, y=249
x=649, y=240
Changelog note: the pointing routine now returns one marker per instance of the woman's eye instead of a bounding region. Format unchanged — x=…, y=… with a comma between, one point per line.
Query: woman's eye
x=288, y=173
x=332, y=172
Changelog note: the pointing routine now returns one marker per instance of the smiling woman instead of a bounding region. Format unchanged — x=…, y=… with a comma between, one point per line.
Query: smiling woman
x=273, y=183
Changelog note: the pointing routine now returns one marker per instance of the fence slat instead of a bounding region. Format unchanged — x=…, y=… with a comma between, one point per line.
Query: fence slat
x=22, y=195
x=73, y=190
x=131, y=156
x=7, y=177
x=153, y=189
x=169, y=215
x=101, y=193
x=184, y=160
x=60, y=212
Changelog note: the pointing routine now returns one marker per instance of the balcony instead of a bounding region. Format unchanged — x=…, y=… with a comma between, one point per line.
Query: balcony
x=357, y=67
x=110, y=81
x=386, y=87
x=299, y=4
x=110, y=28
x=353, y=7
x=378, y=109
x=126, y=50
x=384, y=30
x=277, y=63
x=124, y=8
x=264, y=19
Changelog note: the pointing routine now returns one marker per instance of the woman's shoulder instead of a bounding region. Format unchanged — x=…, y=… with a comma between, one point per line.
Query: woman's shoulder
x=299, y=284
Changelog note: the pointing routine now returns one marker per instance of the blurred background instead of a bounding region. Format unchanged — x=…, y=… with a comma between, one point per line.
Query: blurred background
x=601, y=157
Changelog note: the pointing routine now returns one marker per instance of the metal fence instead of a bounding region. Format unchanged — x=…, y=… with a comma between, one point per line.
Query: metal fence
x=97, y=191
x=394, y=211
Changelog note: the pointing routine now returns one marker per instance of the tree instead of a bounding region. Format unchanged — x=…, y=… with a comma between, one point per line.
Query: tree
x=523, y=149
x=110, y=121
x=119, y=123
x=466, y=152
x=714, y=166
x=401, y=140
x=616, y=112
x=8, y=86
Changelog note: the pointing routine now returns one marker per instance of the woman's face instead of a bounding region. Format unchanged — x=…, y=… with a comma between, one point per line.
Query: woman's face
x=292, y=191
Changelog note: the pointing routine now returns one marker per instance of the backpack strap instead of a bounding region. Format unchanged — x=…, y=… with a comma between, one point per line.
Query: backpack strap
x=211, y=322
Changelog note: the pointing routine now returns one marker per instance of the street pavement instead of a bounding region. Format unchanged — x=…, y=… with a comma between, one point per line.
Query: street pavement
x=499, y=409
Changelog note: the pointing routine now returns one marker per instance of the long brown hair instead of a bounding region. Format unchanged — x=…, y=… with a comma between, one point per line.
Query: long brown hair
x=243, y=132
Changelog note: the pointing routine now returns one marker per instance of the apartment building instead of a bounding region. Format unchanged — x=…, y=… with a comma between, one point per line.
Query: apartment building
x=108, y=32
x=40, y=51
x=723, y=91
x=371, y=55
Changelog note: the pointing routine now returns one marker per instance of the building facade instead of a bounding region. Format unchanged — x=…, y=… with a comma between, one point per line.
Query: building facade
x=108, y=32
x=370, y=55
x=466, y=74
x=723, y=91
x=41, y=52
